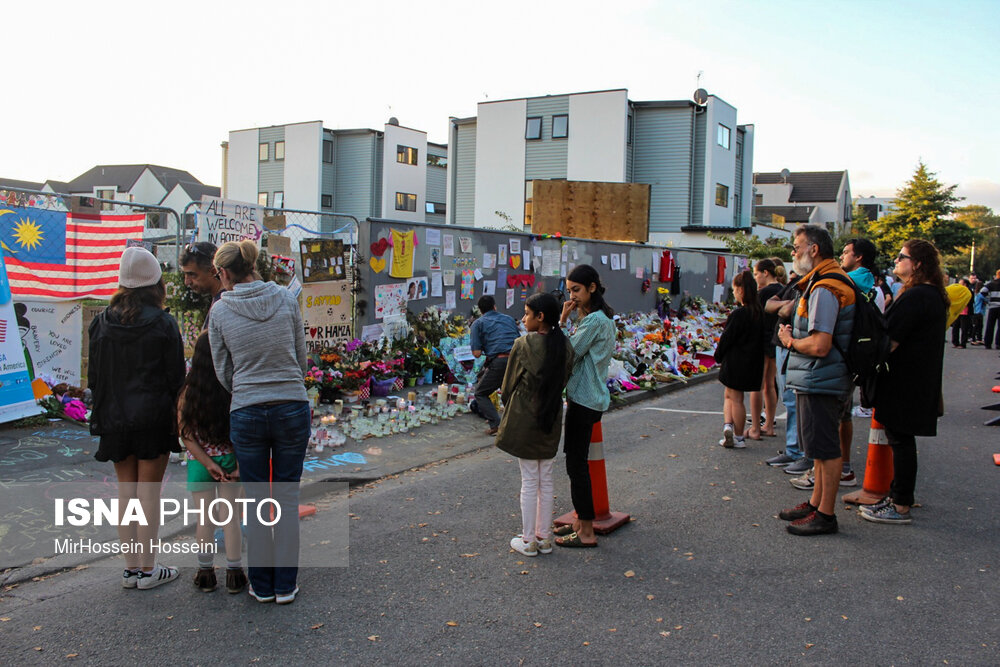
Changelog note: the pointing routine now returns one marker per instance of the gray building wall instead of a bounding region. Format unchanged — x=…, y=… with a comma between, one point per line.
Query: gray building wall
x=698, y=182
x=271, y=174
x=545, y=158
x=353, y=160
x=378, y=145
x=464, y=168
x=738, y=182
x=662, y=157
x=328, y=174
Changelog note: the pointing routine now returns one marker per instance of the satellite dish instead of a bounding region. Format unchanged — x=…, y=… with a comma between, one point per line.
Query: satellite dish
x=393, y=121
x=701, y=96
x=785, y=174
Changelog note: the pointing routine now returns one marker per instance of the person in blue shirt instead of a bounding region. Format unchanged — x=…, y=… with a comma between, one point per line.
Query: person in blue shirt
x=593, y=342
x=492, y=335
x=979, y=307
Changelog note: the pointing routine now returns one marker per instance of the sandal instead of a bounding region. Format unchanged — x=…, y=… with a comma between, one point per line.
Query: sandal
x=573, y=541
x=563, y=530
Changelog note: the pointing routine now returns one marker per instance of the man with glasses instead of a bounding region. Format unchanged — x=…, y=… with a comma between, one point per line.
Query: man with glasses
x=200, y=274
x=817, y=371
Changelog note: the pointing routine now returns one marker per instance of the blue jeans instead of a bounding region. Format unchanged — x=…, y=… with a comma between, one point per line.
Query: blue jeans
x=788, y=400
x=272, y=437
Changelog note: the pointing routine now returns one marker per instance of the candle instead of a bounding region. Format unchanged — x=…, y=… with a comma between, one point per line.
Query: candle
x=442, y=394
x=411, y=396
x=338, y=407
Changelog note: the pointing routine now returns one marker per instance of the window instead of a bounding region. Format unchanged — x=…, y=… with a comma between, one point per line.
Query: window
x=722, y=136
x=736, y=211
x=279, y=199
x=279, y=150
x=533, y=128
x=406, y=154
x=434, y=207
x=327, y=151
x=406, y=201
x=262, y=199
x=527, y=203
x=263, y=152
x=560, y=126
x=758, y=200
x=106, y=194
x=155, y=221
x=721, y=195
x=628, y=131
x=739, y=149
x=436, y=160
x=326, y=201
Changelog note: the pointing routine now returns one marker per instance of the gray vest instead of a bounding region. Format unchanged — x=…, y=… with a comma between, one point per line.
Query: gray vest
x=822, y=375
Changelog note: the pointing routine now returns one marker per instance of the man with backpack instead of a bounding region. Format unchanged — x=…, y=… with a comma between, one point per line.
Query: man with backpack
x=820, y=334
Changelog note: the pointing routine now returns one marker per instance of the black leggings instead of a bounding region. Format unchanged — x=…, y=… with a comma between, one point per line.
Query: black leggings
x=576, y=443
x=904, y=466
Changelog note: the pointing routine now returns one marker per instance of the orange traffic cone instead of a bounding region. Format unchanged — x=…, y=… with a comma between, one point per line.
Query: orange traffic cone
x=605, y=521
x=878, y=469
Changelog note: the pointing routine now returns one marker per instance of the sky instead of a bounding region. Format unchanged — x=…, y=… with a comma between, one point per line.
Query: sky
x=868, y=86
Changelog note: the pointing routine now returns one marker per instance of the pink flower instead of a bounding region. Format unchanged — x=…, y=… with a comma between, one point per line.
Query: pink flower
x=75, y=409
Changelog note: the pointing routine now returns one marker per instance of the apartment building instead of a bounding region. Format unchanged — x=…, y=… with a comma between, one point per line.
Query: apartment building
x=392, y=173
x=696, y=157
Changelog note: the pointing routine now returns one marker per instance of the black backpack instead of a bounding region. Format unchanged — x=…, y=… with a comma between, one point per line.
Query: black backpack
x=867, y=354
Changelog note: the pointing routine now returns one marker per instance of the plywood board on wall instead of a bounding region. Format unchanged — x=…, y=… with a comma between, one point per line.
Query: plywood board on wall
x=591, y=210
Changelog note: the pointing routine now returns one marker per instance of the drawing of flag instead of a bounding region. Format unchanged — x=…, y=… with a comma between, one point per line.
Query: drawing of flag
x=65, y=255
x=3, y=331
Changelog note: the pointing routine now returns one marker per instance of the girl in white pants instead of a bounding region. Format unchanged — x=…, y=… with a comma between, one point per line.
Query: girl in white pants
x=537, y=372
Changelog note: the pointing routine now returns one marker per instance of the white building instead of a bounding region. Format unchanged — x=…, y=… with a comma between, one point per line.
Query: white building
x=695, y=156
x=821, y=197
x=876, y=208
x=390, y=173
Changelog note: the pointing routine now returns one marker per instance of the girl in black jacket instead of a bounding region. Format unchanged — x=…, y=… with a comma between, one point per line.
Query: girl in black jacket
x=741, y=353
x=135, y=370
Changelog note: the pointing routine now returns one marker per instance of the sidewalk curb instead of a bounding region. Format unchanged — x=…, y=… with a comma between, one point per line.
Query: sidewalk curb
x=310, y=487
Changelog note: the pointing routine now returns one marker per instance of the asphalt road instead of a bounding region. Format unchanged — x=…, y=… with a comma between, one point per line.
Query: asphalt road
x=705, y=574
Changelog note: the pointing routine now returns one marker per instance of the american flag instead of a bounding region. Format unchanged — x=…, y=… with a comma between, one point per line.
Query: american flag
x=65, y=255
x=3, y=331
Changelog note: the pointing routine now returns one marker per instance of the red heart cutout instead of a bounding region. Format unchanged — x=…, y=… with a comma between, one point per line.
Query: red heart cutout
x=530, y=279
x=512, y=281
x=312, y=332
x=379, y=247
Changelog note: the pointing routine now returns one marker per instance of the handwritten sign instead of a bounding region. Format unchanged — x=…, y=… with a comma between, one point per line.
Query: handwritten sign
x=326, y=313
x=52, y=333
x=224, y=220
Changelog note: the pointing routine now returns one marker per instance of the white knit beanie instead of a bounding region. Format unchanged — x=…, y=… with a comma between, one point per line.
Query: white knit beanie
x=139, y=268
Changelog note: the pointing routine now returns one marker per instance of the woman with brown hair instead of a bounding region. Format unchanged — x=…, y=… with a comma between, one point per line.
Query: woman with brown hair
x=741, y=353
x=908, y=398
x=135, y=369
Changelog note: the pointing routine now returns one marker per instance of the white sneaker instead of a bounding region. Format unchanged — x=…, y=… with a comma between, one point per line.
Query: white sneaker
x=728, y=437
x=286, y=598
x=159, y=575
x=544, y=546
x=740, y=442
x=859, y=411
x=129, y=578
x=524, y=548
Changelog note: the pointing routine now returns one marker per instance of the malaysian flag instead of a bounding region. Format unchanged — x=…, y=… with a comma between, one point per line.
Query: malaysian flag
x=65, y=255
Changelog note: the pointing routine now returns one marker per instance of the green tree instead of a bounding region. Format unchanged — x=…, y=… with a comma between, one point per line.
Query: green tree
x=754, y=248
x=923, y=209
x=985, y=225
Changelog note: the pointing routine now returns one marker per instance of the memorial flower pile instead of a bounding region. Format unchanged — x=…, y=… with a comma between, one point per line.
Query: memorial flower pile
x=652, y=349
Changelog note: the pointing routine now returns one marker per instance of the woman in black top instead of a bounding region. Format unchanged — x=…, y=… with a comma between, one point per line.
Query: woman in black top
x=741, y=353
x=908, y=398
x=768, y=274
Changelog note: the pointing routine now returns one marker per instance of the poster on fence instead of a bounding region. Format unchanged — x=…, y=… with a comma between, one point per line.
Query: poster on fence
x=390, y=300
x=222, y=220
x=326, y=314
x=53, y=338
x=322, y=259
x=16, y=398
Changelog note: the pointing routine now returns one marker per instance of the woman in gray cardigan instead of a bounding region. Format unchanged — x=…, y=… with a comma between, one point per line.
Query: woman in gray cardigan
x=259, y=352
